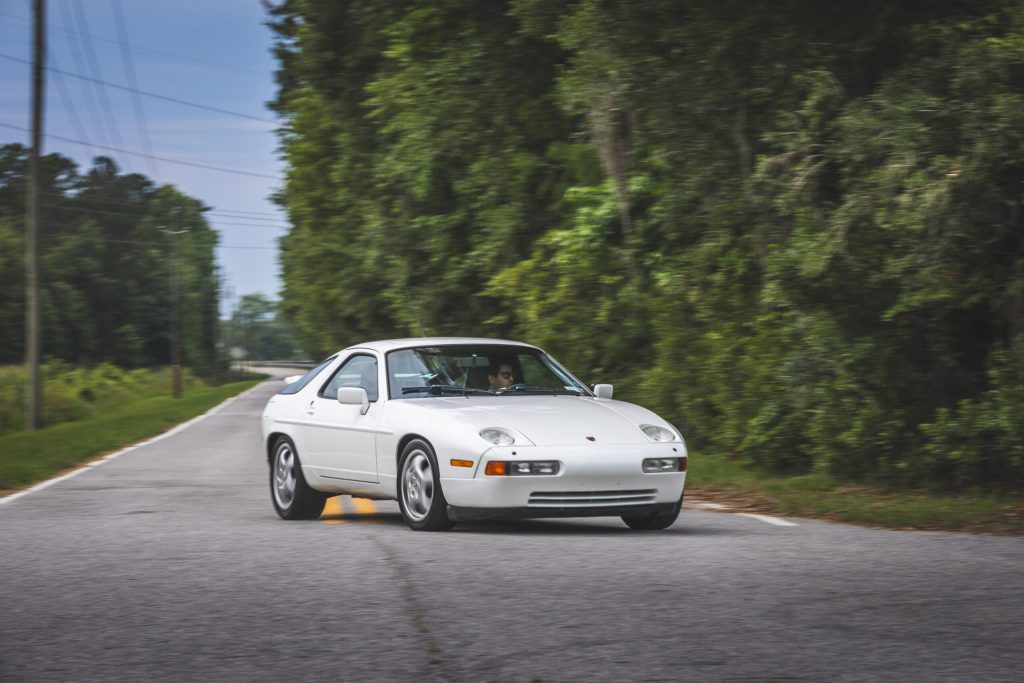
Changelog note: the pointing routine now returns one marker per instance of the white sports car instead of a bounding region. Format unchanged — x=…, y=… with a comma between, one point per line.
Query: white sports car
x=466, y=429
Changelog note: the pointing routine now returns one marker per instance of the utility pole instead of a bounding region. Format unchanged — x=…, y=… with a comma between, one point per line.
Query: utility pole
x=220, y=342
x=33, y=332
x=175, y=295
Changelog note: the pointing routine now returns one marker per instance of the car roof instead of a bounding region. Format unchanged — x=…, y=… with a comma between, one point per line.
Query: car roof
x=385, y=345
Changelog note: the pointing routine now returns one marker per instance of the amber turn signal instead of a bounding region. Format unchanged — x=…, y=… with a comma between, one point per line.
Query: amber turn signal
x=495, y=468
x=461, y=463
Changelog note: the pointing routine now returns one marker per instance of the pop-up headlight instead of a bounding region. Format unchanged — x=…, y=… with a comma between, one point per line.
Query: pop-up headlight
x=656, y=433
x=499, y=437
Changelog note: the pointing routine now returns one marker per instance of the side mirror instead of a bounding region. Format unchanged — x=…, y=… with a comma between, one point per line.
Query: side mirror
x=292, y=378
x=354, y=396
x=603, y=390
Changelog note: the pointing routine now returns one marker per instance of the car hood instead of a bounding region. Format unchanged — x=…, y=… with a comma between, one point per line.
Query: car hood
x=550, y=420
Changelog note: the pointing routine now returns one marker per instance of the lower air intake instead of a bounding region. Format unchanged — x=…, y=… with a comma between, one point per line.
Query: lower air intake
x=590, y=498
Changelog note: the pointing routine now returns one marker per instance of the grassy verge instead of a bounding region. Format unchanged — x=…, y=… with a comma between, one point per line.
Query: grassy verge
x=27, y=457
x=716, y=478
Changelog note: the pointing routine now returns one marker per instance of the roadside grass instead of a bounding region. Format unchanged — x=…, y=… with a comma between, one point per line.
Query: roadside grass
x=76, y=393
x=27, y=457
x=720, y=479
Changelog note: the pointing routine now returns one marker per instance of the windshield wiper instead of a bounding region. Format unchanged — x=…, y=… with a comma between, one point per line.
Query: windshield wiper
x=439, y=389
x=530, y=389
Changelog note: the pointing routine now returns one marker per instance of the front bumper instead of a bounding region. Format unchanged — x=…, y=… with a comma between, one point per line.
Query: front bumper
x=592, y=481
x=463, y=514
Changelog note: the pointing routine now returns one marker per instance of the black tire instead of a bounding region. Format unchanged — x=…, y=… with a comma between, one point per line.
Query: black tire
x=420, y=497
x=654, y=521
x=291, y=495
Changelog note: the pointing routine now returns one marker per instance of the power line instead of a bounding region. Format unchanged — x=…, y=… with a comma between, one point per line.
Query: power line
x=173, y=56
x=154, y=95
x=214, y=222
x=158, y=158
x=129, y=71
x=69, y=106
x=162, y=244
x=91, y=105
x=230, y=213
x=252, y=213
x=145, y=210
x=97, y=76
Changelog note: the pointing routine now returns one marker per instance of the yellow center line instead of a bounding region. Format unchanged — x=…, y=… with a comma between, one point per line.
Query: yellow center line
x=333, y=510
x=364, y=506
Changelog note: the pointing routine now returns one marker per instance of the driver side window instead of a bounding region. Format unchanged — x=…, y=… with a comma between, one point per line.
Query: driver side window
x=357, y=371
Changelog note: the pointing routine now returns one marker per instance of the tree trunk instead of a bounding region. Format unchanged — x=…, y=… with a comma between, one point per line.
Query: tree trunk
x=609, y=126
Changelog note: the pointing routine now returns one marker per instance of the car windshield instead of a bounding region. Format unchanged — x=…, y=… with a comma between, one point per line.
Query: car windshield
x=476, y=369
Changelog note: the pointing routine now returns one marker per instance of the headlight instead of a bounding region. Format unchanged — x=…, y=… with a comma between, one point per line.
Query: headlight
x=656, y=433
x=499, y=437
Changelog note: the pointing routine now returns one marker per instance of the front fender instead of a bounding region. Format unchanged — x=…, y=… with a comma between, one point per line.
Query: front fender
x=452, y=433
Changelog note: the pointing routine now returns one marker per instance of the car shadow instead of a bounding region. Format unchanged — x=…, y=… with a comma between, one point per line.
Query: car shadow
x=561, y=527
x=538, y=527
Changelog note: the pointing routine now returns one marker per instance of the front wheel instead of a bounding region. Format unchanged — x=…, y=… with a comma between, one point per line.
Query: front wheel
x=420, y=498
x=655, y=521
x=292, y=496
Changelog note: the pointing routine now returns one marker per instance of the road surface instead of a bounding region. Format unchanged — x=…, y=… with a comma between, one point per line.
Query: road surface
x=168, y=563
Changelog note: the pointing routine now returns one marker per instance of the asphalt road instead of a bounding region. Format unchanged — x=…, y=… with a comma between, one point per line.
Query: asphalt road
x=168, y=563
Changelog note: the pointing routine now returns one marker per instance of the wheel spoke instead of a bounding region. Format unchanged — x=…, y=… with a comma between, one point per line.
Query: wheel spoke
x=284, y=477
x=417, y=485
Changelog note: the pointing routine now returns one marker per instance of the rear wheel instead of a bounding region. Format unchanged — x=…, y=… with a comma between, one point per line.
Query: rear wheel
x=654, y=521
x=292, y=496
x=420, y=498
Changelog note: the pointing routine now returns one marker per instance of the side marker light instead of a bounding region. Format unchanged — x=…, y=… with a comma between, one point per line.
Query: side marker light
x=461, y=463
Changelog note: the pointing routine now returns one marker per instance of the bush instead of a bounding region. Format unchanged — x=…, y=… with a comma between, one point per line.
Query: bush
x=981, y=442
x=71, y=393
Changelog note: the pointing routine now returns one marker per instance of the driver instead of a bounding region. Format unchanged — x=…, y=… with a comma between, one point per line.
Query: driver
x=501, y=377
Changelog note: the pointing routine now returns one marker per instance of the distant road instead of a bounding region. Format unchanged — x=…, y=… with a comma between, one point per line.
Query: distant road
x=169, y=564
x=265, y=364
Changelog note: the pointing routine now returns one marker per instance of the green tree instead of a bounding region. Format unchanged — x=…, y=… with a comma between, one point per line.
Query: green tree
x=105, y=294
x=796, y=230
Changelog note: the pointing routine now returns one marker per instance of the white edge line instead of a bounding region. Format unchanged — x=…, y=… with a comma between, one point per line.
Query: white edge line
x=768, y=520
x=117, y=454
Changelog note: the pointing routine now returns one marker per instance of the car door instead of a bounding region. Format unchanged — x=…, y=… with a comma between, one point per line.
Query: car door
x=340, y=440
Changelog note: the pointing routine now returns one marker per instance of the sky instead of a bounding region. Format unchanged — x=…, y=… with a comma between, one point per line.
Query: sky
x=214, y=53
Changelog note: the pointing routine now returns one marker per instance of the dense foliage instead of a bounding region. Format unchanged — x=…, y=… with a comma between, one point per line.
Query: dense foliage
x=104, y=266
x=794, y=227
